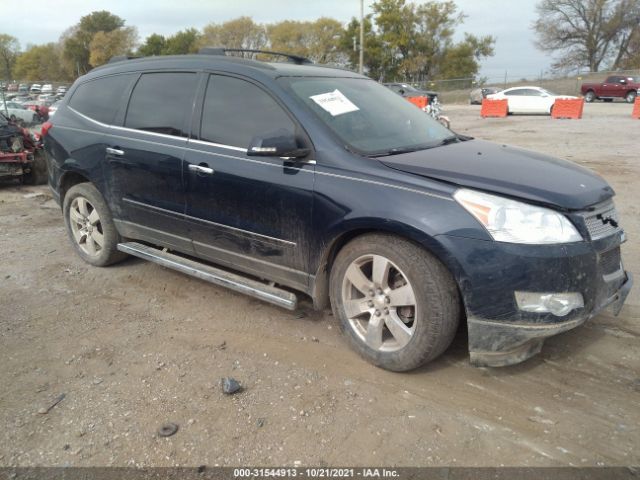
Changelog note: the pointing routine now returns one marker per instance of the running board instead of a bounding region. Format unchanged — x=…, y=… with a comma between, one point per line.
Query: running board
x=205, y=272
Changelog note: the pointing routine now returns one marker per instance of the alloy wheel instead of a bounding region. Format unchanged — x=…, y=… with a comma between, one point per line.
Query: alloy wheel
x=86, y=226
x=379, y=303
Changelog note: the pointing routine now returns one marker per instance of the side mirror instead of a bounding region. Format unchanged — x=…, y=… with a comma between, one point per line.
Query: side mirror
x=623, y=81
x=276, y=144
x=401, y=91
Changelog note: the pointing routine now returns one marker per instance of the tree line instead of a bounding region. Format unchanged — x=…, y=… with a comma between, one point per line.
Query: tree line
x=402, y=40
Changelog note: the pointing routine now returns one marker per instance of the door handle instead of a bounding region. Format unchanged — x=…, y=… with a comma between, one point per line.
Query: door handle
x=114, y=151
x=201, y=169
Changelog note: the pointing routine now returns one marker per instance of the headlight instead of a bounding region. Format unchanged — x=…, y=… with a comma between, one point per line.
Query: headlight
x=515, y=222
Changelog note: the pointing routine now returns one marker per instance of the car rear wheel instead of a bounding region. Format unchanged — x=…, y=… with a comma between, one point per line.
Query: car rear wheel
x=398, y=305
x=90, y=226
x=590, y=96
x=631, y=97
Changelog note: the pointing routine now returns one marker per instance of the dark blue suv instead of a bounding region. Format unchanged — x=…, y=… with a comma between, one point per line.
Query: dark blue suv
x=276, y=178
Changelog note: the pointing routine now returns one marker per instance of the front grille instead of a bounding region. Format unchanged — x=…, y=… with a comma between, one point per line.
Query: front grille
x=610, y=261
x=602, y=222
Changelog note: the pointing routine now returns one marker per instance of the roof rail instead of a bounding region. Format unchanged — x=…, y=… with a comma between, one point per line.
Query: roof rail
x=120, y=58
x=297, y=59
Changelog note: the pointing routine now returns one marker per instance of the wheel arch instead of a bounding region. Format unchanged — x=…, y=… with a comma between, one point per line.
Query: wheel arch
x=69, y=179
x=320, y=287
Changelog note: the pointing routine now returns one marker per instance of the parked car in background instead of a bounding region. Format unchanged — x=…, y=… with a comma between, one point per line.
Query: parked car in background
x=40, y=107
x=478, y=94
x=35, y=88
x=61, y=90
x=54, y=107
x=528, y=99
x=47, y=88
x=615, y=86
x=407, y=90
x=23, y=88
x=323, y=181
x=12, y=87
x=17, y=112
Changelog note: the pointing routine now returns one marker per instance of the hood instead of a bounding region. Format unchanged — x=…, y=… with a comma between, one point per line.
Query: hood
x=511, y=171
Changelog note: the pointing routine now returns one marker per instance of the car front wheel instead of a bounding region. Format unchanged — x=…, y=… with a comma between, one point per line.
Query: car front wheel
x=631, y=97
x=397, y=304
x=90, y=226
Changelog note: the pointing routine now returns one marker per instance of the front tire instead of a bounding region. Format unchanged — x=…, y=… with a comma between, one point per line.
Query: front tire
x=90, y=226
x=630, y=97
x=397, y=304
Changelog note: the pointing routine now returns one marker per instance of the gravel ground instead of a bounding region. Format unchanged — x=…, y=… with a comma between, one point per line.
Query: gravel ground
x=135, y=346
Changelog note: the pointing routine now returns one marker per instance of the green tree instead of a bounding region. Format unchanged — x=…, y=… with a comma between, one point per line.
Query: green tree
x=241, y=32
x=9, y=49
x=41, y=63
x=77, y=40
x=319, y=40
x=462, y=60
x=183, y=42
x=373, y=52
x=105, y=45
x=417, y=41
x=153, y=45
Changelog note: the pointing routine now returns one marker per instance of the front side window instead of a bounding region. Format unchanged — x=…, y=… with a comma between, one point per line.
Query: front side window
x=235, y=111
x=162, y=103
x=100, y=99
x=367, y=117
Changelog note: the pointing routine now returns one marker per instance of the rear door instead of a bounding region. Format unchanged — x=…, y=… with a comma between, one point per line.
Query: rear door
x=145, y=156
x=249, y=213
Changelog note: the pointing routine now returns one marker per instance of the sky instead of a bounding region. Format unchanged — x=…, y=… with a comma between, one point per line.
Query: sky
x=507, y=20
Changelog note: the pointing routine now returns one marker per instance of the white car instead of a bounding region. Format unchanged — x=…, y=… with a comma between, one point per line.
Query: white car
x=54, y=108
x=35, y=88
x=528, y=99
x=16, y=111
x=47, y=88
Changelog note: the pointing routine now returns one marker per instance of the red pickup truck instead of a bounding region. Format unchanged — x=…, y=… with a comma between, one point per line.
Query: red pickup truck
x=615, y=86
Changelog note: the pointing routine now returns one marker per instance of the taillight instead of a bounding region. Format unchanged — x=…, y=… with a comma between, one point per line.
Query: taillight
x=46, y=126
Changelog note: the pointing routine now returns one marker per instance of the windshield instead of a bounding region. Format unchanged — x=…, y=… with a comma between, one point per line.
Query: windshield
x=368, y=117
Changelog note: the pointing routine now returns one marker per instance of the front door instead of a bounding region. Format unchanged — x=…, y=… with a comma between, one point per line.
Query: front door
x=249, y=213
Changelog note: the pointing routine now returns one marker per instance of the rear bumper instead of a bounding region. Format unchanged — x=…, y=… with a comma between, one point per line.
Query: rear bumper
x=498, y=344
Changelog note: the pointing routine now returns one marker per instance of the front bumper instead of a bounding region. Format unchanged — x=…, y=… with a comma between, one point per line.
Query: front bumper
x=489, y=273
x=498, y=344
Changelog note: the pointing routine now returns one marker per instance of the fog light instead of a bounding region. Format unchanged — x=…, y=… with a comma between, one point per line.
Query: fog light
x=559, y=304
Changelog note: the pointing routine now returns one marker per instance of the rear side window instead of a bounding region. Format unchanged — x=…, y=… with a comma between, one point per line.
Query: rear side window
x=161, y=103
x=99, y=99
x=235, y=111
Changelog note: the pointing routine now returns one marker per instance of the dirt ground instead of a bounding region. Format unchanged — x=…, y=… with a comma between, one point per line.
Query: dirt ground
x=135, y=346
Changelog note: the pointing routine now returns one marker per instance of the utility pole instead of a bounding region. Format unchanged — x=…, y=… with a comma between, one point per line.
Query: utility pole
x=361, y=69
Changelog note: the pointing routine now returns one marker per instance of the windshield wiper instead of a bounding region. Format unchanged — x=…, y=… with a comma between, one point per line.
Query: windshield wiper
x=397, y=151
x=449, y=140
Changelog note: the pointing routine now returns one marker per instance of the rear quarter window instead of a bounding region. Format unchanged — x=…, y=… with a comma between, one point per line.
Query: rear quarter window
x=100, y=99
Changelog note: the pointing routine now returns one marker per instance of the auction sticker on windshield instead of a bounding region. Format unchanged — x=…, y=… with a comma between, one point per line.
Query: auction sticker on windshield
x=334, y=102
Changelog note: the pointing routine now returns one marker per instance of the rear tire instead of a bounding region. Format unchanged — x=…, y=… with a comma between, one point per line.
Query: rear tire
x=406, y=307
x=590, y=96
x=631, y=96
x=90, y=226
